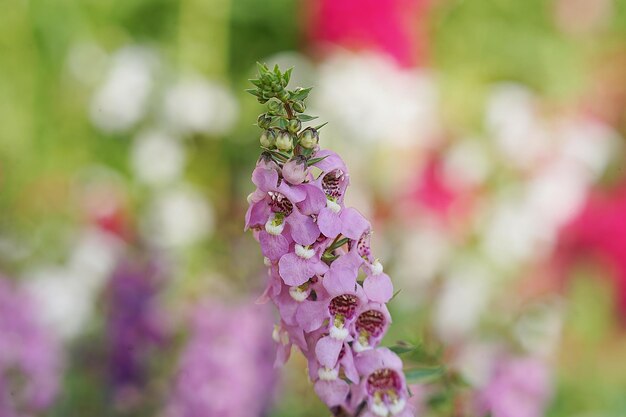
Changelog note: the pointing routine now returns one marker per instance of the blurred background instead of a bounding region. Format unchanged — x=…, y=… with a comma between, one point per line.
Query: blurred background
x=485, y=140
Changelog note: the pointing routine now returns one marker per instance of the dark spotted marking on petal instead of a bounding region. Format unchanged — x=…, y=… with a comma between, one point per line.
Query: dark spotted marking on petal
x=280, y=204
x=384, y=380
x=345, y=304
x=371, y=321
x=332, y=183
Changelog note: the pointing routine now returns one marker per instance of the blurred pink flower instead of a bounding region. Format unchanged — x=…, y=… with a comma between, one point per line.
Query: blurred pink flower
x=387, y=26
x=599, y=231
x=518, y=387
x=226, y=368
x=30, y=359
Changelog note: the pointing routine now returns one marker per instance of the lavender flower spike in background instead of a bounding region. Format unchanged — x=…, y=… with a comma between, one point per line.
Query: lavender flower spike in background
x=30, y=359
x=315, y=247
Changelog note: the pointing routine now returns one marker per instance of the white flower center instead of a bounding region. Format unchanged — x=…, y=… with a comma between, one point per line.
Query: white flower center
x=304, y=252
x=267, y=262
x=274, y=226
x=358, y=347
x=337, y=333
x=377, y=268
x=333, y=206
x=298, y=294
x=279, y=335
x=379, y=408
x=397, y=406
x=328, y=374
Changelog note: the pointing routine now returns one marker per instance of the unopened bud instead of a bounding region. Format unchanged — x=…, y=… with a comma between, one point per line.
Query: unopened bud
x=294, y=125
x=283, y=141
x=294, y=170
x=268, y=139
x=264, y=121
x=274, y=107
x=309, y=138
x=299, y=106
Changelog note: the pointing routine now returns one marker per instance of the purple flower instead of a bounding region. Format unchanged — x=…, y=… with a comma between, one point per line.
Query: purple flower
x=225, y=368
x=134, y=324
x=383, y=385
x=315, y=247
x=30, y=358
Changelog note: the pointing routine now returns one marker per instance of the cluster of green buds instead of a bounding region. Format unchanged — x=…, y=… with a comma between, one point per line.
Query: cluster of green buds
x=283, y=136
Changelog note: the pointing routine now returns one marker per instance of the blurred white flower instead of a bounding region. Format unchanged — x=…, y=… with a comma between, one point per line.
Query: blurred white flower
x=538, y=330
x=371, y=99
x=511, y=119
x=588, y=143
x=476, y=362
x=66, y=294
x=195, y=105
x=421, y=255
x=465, y=294
x=466, y=163
x=156, y=158
x=122, y=99
x=178, y=217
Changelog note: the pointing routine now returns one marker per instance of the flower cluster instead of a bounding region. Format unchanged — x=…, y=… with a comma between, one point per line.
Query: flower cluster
x=329, y=289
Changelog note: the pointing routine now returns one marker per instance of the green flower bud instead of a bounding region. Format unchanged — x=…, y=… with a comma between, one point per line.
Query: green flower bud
x=264, y=121
x=268, y=139
x=283, y=141
x=274, y=107
x=283, y=95
x=294, y=125
x=309, y=138
x=299, y=106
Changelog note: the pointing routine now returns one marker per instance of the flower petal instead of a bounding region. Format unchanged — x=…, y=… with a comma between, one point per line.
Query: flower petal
x=354, y=224
x=329, y=222
x=304, y=231
x=327, y=351
x=378, y=288
x=273, y=246
x=294, y=270
x=315, y=200
x=332, y=393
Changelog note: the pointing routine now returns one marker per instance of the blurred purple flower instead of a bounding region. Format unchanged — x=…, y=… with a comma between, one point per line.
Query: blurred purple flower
x=226, y=369
x=518, y=387
x=134, y=324
x=30, y=359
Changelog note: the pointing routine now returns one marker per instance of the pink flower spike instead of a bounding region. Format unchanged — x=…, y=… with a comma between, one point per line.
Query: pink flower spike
x=273, y=246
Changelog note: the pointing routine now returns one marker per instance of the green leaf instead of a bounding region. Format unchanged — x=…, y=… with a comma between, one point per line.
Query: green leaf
x=313, y=161
x=306, y=117
x=300, y=93
x=277, y=70
x=423, y=374
x=254, y=92
x=262, y=68
x=256, y=82
x=403, y=347
x=320, y=126
x=287, y=75
x=394, y=294
x=282, y=122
